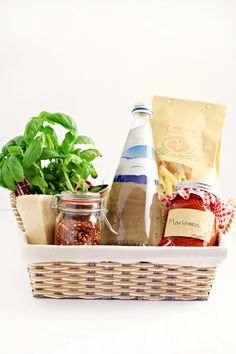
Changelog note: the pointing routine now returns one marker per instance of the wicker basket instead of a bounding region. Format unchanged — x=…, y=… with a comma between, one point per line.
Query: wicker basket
x=116, y=272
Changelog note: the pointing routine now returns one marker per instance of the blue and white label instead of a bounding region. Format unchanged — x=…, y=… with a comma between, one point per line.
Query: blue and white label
x=137, y=163
x=139, y=151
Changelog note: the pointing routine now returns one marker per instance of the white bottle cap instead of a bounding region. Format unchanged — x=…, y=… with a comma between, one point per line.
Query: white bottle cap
x=143, y=107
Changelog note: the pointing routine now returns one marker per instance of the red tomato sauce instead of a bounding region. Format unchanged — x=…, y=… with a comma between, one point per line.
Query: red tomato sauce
x=194, y=202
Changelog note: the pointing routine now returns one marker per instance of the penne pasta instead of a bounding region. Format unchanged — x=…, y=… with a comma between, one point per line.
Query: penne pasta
x=168, y=185
x=170, y=174
x=167, y=175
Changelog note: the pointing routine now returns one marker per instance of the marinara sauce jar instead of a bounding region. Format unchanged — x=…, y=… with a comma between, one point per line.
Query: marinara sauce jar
x=192, y=216
x=79, y=218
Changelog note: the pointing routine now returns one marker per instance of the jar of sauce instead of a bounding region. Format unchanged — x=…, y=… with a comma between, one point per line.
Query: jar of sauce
x=190, y=218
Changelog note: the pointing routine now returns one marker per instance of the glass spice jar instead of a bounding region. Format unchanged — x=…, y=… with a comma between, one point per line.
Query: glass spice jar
x=79, y=218
x=190, y=216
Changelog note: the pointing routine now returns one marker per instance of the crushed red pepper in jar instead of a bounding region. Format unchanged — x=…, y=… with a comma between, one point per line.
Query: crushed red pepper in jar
x=194, y=215
x=79, y=219
x=75, y=232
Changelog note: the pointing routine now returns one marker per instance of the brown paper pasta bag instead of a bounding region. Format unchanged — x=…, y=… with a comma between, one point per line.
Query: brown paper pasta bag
x=187, y=138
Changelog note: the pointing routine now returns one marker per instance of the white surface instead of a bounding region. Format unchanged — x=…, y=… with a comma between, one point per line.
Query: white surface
x=94, y=60
x=44, y=326
x=195, y=256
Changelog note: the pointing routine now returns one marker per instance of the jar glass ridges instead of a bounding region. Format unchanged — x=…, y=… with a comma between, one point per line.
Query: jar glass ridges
x=79, y=219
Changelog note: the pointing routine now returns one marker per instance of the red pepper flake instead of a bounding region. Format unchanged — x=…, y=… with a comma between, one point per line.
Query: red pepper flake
x=75, y=232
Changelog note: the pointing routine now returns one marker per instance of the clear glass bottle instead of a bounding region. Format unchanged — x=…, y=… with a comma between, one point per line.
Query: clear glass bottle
x=134, y=189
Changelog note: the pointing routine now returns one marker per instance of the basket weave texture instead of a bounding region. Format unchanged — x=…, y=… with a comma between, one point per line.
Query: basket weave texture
x=113, y=280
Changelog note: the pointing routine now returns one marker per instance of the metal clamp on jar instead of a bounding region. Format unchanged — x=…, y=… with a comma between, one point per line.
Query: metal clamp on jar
x=79, y=218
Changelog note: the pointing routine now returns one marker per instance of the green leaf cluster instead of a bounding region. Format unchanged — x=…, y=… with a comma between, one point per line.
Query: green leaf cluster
x=49, y=166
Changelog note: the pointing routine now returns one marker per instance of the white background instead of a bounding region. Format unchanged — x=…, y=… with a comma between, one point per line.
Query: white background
x=93, y=60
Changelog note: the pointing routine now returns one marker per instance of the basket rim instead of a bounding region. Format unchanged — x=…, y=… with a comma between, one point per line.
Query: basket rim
x=186, y=256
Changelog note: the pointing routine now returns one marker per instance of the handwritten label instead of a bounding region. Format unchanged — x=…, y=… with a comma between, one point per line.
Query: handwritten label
x=190, y=223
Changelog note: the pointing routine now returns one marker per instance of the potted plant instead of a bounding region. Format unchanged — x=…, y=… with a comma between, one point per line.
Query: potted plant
x=36, y=166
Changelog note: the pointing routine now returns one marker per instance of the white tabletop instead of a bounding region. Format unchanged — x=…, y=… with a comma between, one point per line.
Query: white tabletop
x=43, y=326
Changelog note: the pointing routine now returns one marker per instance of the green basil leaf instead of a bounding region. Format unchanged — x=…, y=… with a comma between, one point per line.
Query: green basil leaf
x=98, y=188
x=77, y=152
x=49, y=154
x=7, y=177
x=32, y=128
x=59, y=174
x=68, y=143
x=50, y=137
x=15, y=150
x=75, y=178
x=15, y=168
x=1, y=183
x=52, y=166
x=83, y=139
x=84, y=170
x=49, y=177
x=44, y=116
x=62, y=119
x=90, y=154
x=83, y=186
x=32, y=171
x=33, y=152
x=93, y=171
x=49, y=191
x=73, y=158
x=1, y=180
x=17, y=141
x=40, y=182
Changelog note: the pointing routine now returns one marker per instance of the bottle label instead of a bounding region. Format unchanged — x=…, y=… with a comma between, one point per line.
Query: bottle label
x=137, y=163
x=190, y=223
x=140, y=167
x=139, y=151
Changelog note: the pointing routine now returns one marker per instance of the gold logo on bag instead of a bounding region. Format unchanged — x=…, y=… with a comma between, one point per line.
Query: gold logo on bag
x=177, y=146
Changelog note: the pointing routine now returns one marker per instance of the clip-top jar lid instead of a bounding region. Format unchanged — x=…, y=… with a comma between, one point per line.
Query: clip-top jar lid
x=85, y=199
x=81, y=196
x=199, y=185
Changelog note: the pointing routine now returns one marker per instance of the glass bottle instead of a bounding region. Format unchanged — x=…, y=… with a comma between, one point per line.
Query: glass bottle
x=134, y=189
